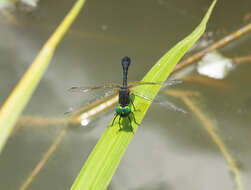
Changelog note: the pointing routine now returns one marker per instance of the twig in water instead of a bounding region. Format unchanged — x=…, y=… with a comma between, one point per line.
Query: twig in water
x=241, y=59
x=209, y=127
x=206, y=81
x=44, y=159
x=224, y=41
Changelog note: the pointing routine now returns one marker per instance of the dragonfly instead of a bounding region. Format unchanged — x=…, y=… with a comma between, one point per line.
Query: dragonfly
x=123, y=110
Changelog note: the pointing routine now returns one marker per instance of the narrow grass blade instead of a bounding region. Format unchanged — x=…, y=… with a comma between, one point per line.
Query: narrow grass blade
x=20, y=96
x=101, y=165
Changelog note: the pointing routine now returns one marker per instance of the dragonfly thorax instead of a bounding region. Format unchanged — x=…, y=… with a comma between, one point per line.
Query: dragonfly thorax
x=123, y=111
x=124, y=96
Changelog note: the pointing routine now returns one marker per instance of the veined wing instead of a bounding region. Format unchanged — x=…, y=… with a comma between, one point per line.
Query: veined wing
x=137, y=83
x=169, y=105
x=169, y=82
x=159, y=99
x=110, y=86
x=162, y=101
x=148, y=95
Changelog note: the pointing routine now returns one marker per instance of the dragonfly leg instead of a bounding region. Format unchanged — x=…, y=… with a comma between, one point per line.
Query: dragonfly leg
x=130, y=123
x=119, y=122
x=116, y=115
x=133, y=104
x=134, y=119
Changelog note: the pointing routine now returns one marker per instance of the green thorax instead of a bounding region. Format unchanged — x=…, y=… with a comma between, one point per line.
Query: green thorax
x=123, y=111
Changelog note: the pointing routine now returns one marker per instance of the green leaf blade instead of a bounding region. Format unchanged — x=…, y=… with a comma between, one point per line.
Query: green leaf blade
x=20, y=96
x=103, y=161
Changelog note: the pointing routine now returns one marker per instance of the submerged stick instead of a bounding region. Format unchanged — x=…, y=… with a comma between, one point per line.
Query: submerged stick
x=209, y=127
x=224, y=41
x=242, y=59
x=44, y=159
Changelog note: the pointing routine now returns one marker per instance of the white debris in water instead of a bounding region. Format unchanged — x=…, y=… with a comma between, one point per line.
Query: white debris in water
x=215, y=65
x=31, y=3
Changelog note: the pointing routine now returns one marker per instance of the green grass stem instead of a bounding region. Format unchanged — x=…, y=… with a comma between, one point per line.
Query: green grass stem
x=18, y=99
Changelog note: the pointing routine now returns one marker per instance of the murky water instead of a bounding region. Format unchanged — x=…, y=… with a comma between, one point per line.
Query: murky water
x=170, y=150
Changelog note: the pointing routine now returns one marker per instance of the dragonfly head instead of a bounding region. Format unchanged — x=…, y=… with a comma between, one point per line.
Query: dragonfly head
x=123, y=111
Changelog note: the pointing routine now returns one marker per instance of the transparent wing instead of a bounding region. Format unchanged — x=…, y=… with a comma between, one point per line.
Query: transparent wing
x=98, y=94
x=83, y=115
x=93, y=100
x=147, y=94
x=169, y=82
x=159, y=99
x=110, y=86
x=163, y=102
x=137, y=83
x=167, y=104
